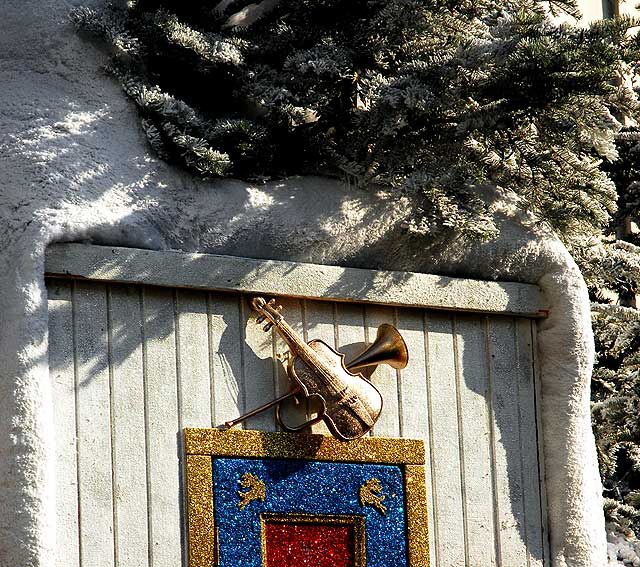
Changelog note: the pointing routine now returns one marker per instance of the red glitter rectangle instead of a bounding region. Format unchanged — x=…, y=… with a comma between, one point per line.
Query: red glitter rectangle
x=294, y=544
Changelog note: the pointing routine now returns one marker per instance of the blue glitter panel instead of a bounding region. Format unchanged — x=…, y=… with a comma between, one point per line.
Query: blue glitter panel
x=306, y=487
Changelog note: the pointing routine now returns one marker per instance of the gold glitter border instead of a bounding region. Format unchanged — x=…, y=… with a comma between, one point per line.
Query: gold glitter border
x=241, y=443
x=203, y=444
x=358, y=523
x=200, y=519
x=415, y=490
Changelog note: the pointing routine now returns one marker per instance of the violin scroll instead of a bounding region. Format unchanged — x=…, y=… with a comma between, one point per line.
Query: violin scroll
x=266, y=310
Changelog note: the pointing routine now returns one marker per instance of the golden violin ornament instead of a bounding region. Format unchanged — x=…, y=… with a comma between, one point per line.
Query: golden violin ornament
x=349, y=404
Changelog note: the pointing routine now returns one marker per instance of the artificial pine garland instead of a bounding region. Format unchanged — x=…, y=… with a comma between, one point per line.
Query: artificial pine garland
x=615, y=272
x=428, y=97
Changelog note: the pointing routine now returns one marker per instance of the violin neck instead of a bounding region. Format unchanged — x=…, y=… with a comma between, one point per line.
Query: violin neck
x=296, y=344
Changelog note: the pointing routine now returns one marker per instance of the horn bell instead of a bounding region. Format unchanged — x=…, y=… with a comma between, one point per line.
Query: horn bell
x=388, y=348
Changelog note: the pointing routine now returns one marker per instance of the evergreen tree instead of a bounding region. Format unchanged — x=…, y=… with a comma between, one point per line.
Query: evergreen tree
x=614, y=276
x=431, y=98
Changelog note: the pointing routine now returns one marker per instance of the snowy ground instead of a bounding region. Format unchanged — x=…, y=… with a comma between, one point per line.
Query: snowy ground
x=622, y=549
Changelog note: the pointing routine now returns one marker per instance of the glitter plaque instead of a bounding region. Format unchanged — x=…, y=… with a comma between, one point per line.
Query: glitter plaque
x=257, y=499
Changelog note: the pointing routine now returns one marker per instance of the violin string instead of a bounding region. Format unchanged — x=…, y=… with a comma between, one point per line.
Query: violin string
x=306, y=352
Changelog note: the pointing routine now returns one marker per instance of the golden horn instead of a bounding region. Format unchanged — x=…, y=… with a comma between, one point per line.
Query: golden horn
x=388, y=348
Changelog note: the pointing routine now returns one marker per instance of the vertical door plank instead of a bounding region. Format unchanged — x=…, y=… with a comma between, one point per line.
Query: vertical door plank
x=258, y=369
x=506, y=449
x=413, y=399
x=94, y=425
x=61, y=371
x=351, y=335
x=414, y=419
x=225, y=360
x=194, y=379
x=384, y=378
x=320, y=324
x=163, y=429
x=128, y=426
x=473, y=387
x=350, y=329
x=540, y=452
x=529, y=442
x=446, y=470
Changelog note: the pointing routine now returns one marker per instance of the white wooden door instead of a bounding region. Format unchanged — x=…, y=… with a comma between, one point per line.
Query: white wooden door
x=133, y=364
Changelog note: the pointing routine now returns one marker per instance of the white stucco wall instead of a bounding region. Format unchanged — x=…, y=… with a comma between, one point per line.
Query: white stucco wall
x=593, y=10
x=629, y=7
x=75, y=166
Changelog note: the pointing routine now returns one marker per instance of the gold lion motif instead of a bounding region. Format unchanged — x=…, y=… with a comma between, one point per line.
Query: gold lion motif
x=256, y=490
x=370, y=495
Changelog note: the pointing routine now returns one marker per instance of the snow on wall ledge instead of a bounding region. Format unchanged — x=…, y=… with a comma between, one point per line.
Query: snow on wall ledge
x=74, y=166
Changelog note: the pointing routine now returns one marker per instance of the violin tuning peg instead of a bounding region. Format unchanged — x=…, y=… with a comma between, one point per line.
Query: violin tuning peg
x=260, y=319
x=268, y=326
x=279, y=308
x=271, y=301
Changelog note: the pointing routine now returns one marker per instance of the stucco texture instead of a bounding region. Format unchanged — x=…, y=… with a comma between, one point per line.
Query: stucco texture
x=74, y=166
